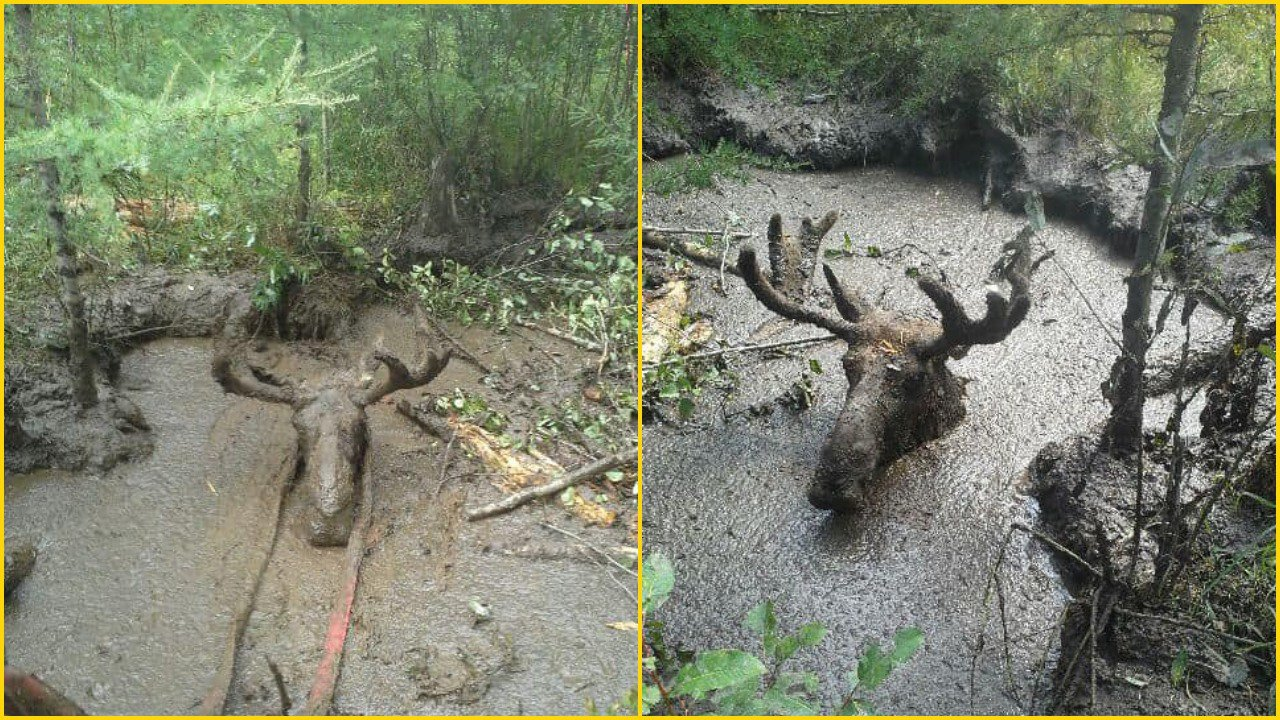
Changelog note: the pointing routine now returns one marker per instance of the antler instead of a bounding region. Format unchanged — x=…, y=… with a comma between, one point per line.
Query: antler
x=1003, y=314
x=400, y=377
x=792, y=259
x=790, y=265
x=257, y=383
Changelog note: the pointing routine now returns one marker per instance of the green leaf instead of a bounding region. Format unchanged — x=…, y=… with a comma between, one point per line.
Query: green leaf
x=1178, y=673
x=853, y=680
x=873, y=668
x=807, y=680
x=649, y=697
x=905, y=644
x=811, y=634
x=685, y=408
x=873, y=251
x=716, y=670
x=659, y=579
x=815, y=367
x=778, y=702
x=1267, y=351
x=761, y=620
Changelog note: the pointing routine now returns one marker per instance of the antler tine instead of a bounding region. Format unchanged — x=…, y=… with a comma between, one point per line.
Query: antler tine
x=780, y=264
x=849, y=303
x=401, y=377
x=235, y=380
x=1003, y=314
x=768, y=296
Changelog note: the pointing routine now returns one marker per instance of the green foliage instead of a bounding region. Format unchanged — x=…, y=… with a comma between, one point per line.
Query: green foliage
x=1241, y=207
x=1088, y=67
x=681, y=381
x=738, y=682
x=699, y=171
x=571, y=278
x=706, y=39
x=198, y=105
x=471, y=408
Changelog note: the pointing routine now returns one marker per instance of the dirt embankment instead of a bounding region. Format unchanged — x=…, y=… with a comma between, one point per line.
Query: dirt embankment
x=1078, y=176
x=1218, y=620
x=44, y=427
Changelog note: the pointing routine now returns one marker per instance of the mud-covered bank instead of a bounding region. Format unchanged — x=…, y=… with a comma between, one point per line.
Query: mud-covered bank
x=725, y=490
x=1079, y=177
x=128, y=607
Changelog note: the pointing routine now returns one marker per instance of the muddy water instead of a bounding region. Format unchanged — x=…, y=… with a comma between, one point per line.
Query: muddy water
x=121, y=611
x=129, y=607
x=724, y=495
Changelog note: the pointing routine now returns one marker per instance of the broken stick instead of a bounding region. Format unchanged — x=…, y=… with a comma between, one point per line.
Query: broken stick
x=584, y=344
x=736, y=235
x=587, y=472
x=697, y=254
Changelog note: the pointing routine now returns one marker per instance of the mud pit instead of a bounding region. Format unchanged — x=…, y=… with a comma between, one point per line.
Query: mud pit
x=725, y=492
x=129, y=607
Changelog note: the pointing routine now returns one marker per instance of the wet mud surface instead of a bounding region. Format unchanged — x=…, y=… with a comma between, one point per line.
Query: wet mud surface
x=129, y=607
x=725, y=491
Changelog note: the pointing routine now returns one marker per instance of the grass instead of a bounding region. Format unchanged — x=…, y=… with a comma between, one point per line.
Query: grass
x=700, y=171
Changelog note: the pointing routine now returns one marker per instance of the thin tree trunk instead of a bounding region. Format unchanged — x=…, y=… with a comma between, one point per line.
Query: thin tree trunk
x=302, y=211
x=1124, y=427
x=83, y=388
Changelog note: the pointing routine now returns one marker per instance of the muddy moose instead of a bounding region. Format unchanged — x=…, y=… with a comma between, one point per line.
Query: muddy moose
x=901, y=393
x=332, y=426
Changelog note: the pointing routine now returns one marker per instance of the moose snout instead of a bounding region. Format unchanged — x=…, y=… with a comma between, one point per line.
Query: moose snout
x=841, y=494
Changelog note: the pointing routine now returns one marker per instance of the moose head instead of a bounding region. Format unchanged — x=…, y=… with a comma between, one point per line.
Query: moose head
x=901, y=393
x=332, y=426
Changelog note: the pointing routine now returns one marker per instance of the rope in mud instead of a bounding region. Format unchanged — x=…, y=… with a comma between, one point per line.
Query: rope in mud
x=320, y=699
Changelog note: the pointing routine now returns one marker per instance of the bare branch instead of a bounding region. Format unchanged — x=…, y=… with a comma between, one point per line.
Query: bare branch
x=584, y=473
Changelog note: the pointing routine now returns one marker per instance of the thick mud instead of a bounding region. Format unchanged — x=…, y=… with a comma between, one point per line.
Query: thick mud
x=140, y=572
x=725, y=491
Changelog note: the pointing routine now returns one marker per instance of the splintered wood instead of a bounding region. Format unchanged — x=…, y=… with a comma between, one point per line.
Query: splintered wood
x=519, y=469
x=664, y=311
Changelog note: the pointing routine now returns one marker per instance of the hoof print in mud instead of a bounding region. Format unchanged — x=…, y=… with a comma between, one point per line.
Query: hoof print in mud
x=332, y=427
x=901, y=393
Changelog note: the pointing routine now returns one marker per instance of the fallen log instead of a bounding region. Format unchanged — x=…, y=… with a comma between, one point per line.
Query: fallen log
x=567, y=480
